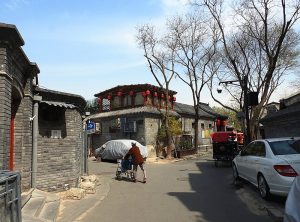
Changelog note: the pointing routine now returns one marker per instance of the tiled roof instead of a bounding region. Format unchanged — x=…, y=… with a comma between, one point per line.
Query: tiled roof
x=204, y=111
x=291, y=110
x=61, y=97
x=60, y=104
x=131, y=111
x=135, y=87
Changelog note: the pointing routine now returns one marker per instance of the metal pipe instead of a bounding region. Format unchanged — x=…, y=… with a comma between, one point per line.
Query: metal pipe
x=35, y=133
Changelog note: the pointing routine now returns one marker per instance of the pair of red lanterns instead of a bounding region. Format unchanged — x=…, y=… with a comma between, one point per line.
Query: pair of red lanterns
x=144, y=94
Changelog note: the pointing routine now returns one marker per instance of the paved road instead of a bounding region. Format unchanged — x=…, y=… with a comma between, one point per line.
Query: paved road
x=190, y=190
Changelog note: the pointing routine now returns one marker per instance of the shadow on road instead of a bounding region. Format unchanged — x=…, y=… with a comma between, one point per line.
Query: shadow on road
x=215, y=197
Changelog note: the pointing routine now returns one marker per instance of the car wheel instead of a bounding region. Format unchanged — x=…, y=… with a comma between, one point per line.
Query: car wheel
x=235, y=174
x=263, y=187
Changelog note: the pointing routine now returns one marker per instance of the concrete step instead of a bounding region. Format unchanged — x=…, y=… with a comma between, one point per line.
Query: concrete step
x=42, y=206
x=34, y=206
x=25, y=197
x=50, y=211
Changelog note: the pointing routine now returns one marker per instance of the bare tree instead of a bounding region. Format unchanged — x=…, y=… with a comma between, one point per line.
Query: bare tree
x=159, y=53
x=195, y=38
x=259, y=49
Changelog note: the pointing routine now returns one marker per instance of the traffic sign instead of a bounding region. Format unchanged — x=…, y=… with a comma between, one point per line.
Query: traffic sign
x=90, y=127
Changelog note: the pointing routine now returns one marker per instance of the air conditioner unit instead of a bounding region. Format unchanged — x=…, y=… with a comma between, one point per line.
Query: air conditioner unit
x=130, y=127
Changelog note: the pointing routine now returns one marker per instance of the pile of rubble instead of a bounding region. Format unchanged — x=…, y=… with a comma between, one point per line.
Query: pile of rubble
x=87, y=186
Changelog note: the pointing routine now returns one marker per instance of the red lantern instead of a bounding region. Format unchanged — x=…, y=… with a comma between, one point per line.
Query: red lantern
x=174, y=98
x=147, y=92
x=131, y=93
x=162, y=95
x=109, y=97
x=218, y=122
x=119, y=93
x=223, y=123
x=155, y=94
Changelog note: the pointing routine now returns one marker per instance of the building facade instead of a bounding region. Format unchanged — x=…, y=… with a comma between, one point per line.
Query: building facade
x=17, y=75
x=45, y=148
x=60, y=153
x=136, y=112
x=283, y=121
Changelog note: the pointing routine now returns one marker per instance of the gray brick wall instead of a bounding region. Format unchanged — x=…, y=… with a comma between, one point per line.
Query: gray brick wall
x=287, y=125
x=59, y=160
x=16, y=93
x=5, y=116
x=23, y=141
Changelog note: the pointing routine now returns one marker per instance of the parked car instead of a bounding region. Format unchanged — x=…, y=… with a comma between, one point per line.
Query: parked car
x=269, y=164
x=117, y=149
x=292, y=204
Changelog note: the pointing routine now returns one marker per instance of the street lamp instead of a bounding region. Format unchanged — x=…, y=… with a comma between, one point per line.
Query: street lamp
x=244, y=87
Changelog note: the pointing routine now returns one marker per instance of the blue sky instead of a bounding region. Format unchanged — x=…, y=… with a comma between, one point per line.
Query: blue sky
x=87, y=46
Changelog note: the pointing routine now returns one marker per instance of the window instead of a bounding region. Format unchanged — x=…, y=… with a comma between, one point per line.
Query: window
x=249, y=149
x=202, y=126
x=285, y=147
x=52, y=121
x=259, y=149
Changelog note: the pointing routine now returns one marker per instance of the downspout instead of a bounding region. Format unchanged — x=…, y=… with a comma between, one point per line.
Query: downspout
x=12, y=136
x=35, y=133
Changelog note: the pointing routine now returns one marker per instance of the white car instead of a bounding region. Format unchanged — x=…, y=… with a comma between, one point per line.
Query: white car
x=117, y=149
x=292, y=204
x=269, y=164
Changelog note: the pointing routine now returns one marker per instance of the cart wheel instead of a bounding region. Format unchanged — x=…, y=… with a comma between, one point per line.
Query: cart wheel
x=118, y=175
x=132, y=175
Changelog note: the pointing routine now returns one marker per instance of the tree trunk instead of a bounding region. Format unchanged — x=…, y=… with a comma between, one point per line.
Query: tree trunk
x=170, y=145
x=196, y=140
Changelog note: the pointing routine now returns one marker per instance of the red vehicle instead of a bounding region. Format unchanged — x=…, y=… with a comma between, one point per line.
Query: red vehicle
x=226, y=145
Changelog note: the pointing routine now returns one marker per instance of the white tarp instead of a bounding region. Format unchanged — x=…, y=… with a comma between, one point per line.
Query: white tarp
x=117, y=149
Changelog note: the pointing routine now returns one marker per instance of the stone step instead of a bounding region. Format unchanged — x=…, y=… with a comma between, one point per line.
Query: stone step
x=25, y=197
x=50, y=211
x=34, y=206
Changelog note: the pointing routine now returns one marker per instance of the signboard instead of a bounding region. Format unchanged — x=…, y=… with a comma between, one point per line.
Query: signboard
x=90, y=127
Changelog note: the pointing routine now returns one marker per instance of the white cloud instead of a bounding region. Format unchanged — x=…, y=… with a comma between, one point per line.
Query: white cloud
x=13, y=4
x=172, y=7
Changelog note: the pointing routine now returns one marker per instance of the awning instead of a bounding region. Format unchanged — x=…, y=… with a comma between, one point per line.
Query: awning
x=60, y=104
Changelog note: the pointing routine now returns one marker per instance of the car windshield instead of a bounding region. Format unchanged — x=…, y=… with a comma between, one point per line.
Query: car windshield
x=285, y=147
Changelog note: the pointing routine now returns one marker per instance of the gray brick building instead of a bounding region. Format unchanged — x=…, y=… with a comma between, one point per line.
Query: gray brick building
x=40, y=130
x=285, y=121
x=17, y=76
x=60, y=156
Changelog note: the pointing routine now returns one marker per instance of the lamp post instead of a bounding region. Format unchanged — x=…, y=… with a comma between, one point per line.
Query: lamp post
x=244, y=87
x=246, y=109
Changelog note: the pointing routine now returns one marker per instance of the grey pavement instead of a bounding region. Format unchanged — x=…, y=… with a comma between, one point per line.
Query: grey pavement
x=42, y=206
x=77, y=210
